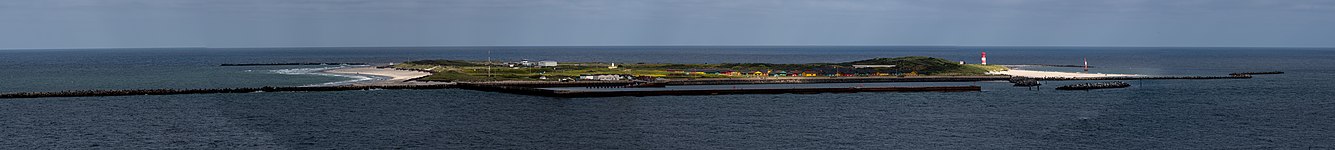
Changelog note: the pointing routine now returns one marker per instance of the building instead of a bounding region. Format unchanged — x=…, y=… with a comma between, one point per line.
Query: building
x=527, y=63
x=605, y=77
x=548, y=63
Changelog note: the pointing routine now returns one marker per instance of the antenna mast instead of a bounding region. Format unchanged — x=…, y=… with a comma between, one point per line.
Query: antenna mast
x=489, y=63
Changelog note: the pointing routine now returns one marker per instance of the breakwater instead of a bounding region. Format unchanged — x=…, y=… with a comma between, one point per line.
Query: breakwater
x=834, y=80
x=490, y=88
x=543, y=84
x=578, y=94
x=1049, y=65
x=294, y=64
x=731, y=81
x=768, y=91
x=534, y=87
x=1143, y=78
x=806, y=80
x=1090, y=86
x=87, y=93
x=1252, y=73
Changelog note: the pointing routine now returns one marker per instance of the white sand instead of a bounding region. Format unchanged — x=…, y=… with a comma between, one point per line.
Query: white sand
x=1031, y=73
x=394, y=75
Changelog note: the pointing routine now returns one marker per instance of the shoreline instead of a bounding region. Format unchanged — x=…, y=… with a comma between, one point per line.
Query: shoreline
x=378, y=76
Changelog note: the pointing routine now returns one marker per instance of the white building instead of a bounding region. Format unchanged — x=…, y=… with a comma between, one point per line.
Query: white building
x=547, y=63
x=603, y=77
x=526, y=63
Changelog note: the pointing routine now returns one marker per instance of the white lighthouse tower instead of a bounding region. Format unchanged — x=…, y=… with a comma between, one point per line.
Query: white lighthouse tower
x=984, y=58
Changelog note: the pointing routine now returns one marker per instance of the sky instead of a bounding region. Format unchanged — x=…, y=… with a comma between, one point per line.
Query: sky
x=60, y=24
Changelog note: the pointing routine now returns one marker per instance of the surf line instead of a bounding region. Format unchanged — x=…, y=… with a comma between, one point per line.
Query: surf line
x=321, y=71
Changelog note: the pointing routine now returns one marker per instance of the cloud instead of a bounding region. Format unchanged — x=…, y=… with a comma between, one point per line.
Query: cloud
x=243, y=23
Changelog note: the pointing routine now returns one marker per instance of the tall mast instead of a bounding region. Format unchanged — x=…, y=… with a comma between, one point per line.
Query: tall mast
x=489, y=63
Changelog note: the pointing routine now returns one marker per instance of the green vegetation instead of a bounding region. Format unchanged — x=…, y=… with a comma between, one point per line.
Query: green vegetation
x=444, y=63
x=930, y=66
x=454, y=70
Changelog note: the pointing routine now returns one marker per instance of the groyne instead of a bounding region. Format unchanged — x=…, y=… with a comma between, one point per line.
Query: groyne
x=293, y=64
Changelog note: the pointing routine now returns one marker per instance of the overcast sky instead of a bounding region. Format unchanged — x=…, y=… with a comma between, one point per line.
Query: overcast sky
x=41, y=24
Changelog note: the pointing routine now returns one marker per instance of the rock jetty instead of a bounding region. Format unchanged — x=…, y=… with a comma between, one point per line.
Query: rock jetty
x=1100, y=85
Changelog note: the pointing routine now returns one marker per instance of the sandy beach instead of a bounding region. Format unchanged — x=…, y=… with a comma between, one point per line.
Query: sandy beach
x=395, y=76
x=1031, y=73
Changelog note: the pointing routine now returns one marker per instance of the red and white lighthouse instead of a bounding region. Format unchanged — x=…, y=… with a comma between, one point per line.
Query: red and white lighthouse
x=984, y=58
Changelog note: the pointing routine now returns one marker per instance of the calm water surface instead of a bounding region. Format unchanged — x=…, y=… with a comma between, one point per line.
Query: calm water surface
x=1272, y=111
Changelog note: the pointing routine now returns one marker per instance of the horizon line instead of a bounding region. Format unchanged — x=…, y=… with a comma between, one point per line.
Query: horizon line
x=193, y=47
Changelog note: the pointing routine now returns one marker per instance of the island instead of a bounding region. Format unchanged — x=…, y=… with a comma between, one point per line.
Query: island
x=545, y=78
x=524, y=70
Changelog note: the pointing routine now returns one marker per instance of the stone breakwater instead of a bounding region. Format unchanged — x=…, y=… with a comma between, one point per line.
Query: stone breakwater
x=1090, y=86
x=1252, y=73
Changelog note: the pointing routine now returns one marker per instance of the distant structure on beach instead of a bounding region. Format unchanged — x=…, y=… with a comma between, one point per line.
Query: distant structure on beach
x=547, y=63
x=605, y=77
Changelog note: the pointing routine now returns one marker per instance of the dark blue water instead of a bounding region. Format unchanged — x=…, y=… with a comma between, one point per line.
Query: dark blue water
x=1271, y=111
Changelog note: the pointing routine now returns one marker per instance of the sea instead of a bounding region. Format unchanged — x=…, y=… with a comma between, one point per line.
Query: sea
x=1281, y=111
